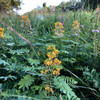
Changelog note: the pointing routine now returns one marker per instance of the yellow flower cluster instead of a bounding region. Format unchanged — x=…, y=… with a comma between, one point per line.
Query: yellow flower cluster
x=44, y=72
x=58, y=24
x=59, y=29
x=51, y=68
x=47, y=88
x=48, y=62
x=25, y=18
x=1, y=33
x=56, y=52
x=57, y=62
x=52, y=60
x=57, y=71
x=51, y=55
x=76, y=25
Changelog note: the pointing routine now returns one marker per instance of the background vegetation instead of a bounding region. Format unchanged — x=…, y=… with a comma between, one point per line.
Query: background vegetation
x=50, y=54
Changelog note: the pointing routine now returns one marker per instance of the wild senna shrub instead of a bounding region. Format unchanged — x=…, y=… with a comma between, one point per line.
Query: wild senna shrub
x=76, y=27
x=59, y=29
x=25, y=23
x=51, y=68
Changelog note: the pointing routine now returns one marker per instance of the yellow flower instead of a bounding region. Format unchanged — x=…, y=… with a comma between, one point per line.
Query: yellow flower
x=53, y=48
x=56, y=51
x=51, y=55
x=38, y=53
x=57, y=73
x=49, y=48
x=73, y=25
x=50, y=90
x=57, y=62
x=1, y=30
x=76, y=22
x=58, y=69
x=59, y=29
x=41, y=72
x=58, y=24
x=48, y=54
x=54, y=72
x=25, y=18
x=47, y=87
x=48, y=62
x=63, y=31
x=2, y=36
x=76, y=26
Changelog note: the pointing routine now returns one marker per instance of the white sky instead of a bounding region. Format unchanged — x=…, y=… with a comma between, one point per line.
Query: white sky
x=29, y=5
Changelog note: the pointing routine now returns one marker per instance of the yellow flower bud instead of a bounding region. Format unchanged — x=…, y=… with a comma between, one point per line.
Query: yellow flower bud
x=41, y=72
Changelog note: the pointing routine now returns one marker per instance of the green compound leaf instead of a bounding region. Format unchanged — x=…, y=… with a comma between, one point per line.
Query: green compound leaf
x=3, y=62
x=61, y=84
x=26, y=82
x=19, y=51
x=33, y=61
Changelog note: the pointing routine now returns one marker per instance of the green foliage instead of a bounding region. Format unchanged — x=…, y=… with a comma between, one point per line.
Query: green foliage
x=91, y=3
x=3, y=62
x=19, y=51
x=33, y=61
x=9, y=4
x=8, y=77
x=70, y=81
x=92, y=77
x=25, y=82
x=61, y=84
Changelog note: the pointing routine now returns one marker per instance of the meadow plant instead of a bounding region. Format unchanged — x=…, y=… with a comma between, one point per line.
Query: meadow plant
x=51, y=68
x=76, y=30
x=25, y=19
x=76, y=27
x=59, y=29
x=25, y=23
